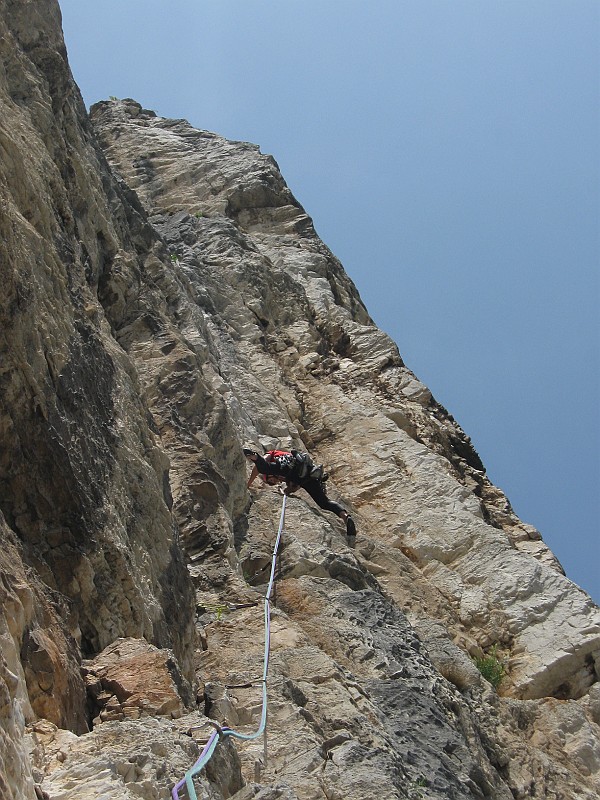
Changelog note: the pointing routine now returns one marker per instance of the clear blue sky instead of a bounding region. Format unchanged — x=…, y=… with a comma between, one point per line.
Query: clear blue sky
x=448, y=153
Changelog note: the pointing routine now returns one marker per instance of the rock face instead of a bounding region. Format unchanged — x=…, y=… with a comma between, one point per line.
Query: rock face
x=131, y=678
x=166, y=301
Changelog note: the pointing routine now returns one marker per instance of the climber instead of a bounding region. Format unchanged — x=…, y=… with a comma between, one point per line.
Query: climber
x=297, y=471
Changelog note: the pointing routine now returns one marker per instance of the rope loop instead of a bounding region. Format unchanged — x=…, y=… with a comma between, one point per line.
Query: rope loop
x=222, y=732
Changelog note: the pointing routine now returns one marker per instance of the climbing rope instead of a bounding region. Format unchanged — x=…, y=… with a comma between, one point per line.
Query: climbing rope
x=222, y=732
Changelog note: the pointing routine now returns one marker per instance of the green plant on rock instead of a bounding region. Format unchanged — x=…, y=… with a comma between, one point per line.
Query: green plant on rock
x=491, y=666
x=415, y=790
x=217, y=609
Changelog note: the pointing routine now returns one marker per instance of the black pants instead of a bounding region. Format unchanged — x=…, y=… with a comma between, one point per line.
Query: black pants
x=311, y=486
x=317, y=491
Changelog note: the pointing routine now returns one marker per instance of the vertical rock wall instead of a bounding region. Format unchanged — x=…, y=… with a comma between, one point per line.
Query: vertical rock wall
x=156, y=315
x=294, y=360
x=298, y=354
x=89, y=544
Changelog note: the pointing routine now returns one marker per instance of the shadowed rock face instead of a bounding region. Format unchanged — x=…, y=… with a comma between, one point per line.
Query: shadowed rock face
x=89, y=544
x=165, y=300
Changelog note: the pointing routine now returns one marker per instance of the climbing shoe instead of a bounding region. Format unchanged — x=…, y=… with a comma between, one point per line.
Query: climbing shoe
x=350, y=526
x=248, y=453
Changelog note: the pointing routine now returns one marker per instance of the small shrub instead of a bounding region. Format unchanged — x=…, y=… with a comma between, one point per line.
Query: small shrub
x=491, y=667
x=218, y=610
x=415, y=790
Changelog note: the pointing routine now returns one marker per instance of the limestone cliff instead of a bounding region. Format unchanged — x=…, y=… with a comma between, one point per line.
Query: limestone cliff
x=165, y=301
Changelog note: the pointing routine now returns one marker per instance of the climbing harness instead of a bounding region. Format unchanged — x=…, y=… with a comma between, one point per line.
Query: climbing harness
x=221, y=732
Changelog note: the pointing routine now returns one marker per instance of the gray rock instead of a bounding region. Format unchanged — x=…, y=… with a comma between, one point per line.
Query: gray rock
x=165, y=301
